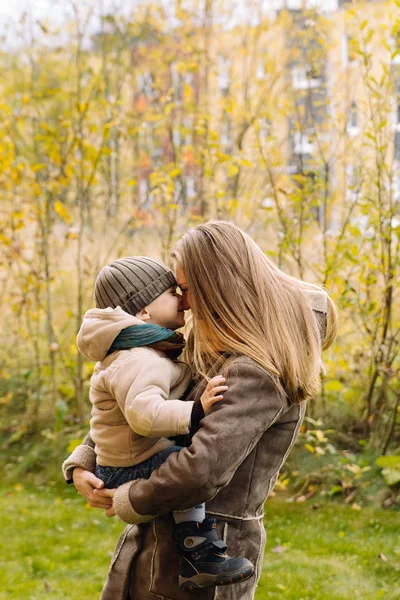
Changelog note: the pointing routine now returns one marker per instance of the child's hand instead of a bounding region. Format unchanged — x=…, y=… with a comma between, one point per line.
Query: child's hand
x=213, y=392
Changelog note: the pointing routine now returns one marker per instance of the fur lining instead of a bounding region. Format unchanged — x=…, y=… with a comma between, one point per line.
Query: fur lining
x=124, y=509
x=83, y=456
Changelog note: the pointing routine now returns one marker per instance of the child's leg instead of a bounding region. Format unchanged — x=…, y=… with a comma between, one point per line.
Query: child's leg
x=204, y=562
x=115, y=476
x=197, y=513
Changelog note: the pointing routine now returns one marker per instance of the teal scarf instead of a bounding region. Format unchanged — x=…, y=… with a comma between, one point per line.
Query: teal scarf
x=150, y=335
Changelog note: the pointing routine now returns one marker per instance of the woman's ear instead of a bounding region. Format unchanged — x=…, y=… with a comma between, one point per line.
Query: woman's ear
x=143, y=315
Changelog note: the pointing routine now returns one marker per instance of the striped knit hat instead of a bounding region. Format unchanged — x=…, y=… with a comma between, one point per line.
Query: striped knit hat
x=132, y=283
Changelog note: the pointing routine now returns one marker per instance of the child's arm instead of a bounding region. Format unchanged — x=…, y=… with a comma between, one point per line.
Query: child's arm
x=141, y=386
x=142, y=391
x=82, y=456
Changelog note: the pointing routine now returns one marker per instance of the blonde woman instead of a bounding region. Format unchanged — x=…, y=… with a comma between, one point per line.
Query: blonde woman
x=264, y=331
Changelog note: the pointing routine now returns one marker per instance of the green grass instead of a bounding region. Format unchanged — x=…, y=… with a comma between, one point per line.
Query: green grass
x=51, y=546
x=332, y=553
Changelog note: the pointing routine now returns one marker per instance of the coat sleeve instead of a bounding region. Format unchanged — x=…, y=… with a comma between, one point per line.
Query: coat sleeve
x=83, y=456
x=142, y=390
x=229, y=432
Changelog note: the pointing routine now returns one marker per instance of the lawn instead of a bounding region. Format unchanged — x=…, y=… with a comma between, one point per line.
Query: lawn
x=51, y=546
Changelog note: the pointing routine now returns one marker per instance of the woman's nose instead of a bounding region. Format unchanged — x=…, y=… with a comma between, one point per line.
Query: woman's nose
x=185, y=303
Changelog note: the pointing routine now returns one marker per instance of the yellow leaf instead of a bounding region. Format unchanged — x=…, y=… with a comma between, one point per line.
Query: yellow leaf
x=73, y=444
x=320, y=435
x=63, y=212
x=6, y=399
x=38, y=167
x=4, y=239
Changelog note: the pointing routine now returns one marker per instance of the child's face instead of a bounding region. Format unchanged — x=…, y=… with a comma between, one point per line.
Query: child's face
x=167, y=310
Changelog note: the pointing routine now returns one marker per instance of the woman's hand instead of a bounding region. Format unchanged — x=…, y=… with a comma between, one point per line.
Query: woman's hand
x=213, y=392
x=87, y=484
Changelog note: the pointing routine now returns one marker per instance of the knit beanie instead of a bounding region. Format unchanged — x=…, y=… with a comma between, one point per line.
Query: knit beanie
x=132, y=283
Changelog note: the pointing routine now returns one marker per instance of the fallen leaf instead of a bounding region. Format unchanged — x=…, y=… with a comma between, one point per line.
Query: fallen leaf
x=382, y=556
x=279, y=549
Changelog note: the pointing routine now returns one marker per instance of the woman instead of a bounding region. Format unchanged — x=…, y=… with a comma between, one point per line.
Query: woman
x=264, y=331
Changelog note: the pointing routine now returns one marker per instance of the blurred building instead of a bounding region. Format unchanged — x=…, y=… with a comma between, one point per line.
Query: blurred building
x=295, y=84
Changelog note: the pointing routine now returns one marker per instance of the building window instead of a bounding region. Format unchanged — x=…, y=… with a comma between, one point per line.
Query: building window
x=143, y=192
x=349, y=50
x=265, y=129
x=189, y=79
x=177, y=190
x=224, y=77
x=226, y=136
x=396, y=105
x=176, y=81
x=305, y=77
x=176, y=137
x=353, y=115
x=145, y=84
x=260, y=70
x=396, y=182
x=353, y=182
x=352, y=125
x=190, y=187
x=303, y=142
x=188, y=125
x=397, y=146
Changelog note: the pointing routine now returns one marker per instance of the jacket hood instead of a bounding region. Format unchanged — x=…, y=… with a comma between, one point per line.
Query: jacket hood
x=318, y=300
x=100, y=327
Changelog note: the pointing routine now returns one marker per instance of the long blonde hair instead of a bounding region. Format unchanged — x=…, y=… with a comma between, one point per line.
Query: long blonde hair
x=243, y=304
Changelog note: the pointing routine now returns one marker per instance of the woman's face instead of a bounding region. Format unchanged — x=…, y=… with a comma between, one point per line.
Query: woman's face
x=183, y=285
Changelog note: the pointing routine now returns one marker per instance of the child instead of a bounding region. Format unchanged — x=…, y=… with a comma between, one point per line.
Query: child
x=135, y=391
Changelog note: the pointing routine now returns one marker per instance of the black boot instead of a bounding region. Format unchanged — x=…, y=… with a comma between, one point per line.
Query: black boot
x=204, y=562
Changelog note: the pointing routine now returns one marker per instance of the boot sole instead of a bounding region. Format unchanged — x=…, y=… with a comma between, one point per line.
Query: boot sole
x=211, y=580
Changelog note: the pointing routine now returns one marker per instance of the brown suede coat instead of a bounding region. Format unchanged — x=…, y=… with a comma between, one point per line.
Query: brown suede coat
x=232, y=464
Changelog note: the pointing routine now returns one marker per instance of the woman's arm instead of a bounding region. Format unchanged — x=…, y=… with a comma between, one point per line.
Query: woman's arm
x=228, y=434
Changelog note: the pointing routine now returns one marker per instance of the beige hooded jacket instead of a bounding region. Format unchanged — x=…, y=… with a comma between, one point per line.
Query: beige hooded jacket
x=135, y=393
